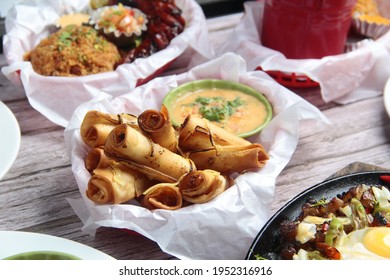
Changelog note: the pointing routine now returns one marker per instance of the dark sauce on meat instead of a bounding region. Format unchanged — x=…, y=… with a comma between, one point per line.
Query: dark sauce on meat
x=165, y=22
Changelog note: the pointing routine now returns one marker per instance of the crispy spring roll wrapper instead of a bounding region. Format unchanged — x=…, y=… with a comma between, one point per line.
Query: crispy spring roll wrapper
x=203, y=185
x=129, y=146
x=96, y=158
x=230, y=159
x=97, y=125
x=200, y=134
x=162, y=196
x=158, y=126
x=116, y=184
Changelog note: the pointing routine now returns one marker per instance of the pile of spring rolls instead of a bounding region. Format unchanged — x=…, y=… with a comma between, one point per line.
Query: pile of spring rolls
x=163, y=167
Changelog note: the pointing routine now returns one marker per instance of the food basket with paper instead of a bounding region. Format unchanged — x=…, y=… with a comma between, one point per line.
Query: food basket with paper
x=191, y=209
x=66, y=55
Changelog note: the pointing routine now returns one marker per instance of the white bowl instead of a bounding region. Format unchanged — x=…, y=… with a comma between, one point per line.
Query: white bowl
x=19, y=242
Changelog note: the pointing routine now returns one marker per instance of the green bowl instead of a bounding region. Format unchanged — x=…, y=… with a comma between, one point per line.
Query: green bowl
x=183, y=89
x=42, y=255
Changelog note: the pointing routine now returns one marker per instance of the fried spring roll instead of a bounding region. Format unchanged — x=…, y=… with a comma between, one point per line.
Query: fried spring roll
x=129, y=146
x=157, y=125
x=230, y=159
x=199, y=134
x=162, y=196
x=202, y=185
x=96, y=158
x=97, y=125
x=116, y=184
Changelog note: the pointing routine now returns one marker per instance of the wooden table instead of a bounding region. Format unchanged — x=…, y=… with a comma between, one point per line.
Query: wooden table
x=34, y=193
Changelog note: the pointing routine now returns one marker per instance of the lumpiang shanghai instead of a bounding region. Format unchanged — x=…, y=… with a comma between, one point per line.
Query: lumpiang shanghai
x=195, y=129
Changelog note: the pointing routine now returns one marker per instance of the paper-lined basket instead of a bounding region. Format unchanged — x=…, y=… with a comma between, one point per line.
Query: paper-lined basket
x=57, y=97
x=224, y=227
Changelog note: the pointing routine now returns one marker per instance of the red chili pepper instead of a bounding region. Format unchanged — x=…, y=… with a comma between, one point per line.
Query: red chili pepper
x=385, y=178
x=328, y=251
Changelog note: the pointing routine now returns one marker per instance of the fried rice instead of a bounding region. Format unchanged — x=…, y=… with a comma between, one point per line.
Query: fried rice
x=74, y=51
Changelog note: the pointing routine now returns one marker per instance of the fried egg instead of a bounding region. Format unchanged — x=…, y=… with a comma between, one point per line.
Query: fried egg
x=368, y=243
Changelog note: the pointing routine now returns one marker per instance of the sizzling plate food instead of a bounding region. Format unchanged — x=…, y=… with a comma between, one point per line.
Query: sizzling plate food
x=119, y=32
x=143, y=158
x=352, y=225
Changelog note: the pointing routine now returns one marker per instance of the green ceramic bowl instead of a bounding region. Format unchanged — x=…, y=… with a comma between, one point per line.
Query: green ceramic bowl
x=177, y=93
x=42, y=255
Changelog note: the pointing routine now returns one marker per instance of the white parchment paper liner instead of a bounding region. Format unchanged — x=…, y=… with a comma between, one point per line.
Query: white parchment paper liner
x=225, y=227
x=343, y=78
x=56, y=98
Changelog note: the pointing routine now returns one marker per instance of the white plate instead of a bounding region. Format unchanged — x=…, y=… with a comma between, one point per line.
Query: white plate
x=10, y=140
x=386, y=96
x=16, y=242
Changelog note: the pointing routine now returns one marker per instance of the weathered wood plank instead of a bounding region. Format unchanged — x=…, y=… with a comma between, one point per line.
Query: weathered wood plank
x=359, y=133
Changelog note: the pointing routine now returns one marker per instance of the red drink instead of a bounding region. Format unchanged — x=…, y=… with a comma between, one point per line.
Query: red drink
x=307, y=28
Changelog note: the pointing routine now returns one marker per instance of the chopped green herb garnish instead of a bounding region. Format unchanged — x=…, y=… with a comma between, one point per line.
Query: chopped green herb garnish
x=235, y=103
x=322, y=201
x=66, y=38
x=217, y=108
x=118, y=12
x=258, y=257
x=208, y=100
x=82, y=58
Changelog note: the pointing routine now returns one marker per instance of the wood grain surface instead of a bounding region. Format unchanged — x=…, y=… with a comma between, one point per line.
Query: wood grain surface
x=34, y=193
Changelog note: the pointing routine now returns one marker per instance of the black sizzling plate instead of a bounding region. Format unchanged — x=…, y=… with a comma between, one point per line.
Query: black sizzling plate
x=267, y=241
